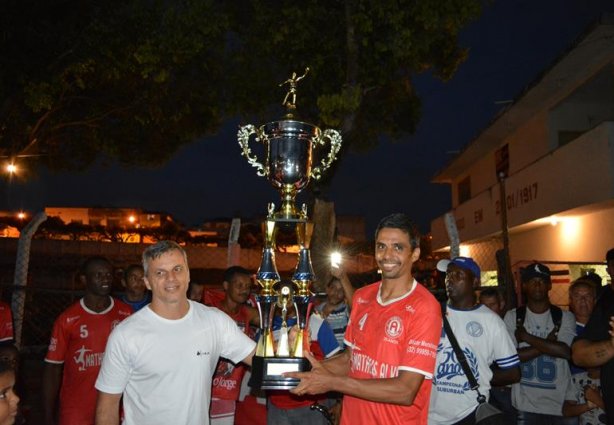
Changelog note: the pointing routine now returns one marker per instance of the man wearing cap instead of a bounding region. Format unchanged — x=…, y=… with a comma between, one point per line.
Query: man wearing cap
x=482, y=336
x=595, y=348
x=543, y=348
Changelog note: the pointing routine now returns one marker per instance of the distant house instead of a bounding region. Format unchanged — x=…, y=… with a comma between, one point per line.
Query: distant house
x=129, y=222
x=555, y=147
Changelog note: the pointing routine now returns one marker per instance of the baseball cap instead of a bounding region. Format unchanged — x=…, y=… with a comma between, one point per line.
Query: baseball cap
x=535, y=270
x=462, y=262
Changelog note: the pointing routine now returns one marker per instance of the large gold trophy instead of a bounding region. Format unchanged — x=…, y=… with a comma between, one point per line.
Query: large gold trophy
x=289, y=147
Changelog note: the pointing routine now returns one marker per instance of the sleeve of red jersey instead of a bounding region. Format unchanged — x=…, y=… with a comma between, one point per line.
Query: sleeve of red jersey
x=56, y=352
x=6, y=324
x=422, y=339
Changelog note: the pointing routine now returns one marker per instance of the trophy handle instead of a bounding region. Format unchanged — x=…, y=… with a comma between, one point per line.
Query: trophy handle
x=243, y=137
x=335, y=145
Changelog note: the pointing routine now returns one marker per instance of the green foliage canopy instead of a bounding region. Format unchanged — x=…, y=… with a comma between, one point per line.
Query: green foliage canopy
x=134, y=80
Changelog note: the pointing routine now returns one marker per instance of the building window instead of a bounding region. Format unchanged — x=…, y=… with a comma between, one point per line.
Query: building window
x=464, y=190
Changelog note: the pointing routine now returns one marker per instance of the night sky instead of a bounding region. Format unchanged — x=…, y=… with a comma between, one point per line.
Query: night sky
x=510, y=45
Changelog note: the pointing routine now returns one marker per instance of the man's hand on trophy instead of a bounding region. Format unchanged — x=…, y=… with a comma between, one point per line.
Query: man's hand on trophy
x=317, y=381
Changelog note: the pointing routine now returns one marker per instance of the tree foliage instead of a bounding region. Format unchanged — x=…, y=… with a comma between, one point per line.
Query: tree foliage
x=133, y=80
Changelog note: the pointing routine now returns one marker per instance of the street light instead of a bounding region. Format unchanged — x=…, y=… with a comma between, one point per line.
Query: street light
x=11, y=168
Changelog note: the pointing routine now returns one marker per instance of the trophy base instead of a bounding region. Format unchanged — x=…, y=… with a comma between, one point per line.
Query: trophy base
x=267, y=372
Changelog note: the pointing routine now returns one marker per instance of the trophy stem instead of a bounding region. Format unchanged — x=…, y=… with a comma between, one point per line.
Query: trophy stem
x=288, y=209
x=265, y=343
x=302, y=304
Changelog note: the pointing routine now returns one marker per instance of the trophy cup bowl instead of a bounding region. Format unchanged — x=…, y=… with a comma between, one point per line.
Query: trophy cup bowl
x=290, y=153
x=289, y=147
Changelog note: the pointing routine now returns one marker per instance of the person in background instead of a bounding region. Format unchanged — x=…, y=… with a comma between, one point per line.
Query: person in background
x=595, y=347
x=10, y=354
x=196, y=291
x=336, y=308
x=6, y=323
x=583, y=398
x=500, y=395
x=481, y=335
x=9, y=401
x=228, y=376
x=492, y=298
x=135, y=293
x=77, y=347
x=543, y=334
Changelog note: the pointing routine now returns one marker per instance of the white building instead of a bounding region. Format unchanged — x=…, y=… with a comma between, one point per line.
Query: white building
x=556, y=143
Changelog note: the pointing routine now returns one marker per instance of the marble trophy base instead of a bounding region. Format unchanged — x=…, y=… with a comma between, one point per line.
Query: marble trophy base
x=267, y=372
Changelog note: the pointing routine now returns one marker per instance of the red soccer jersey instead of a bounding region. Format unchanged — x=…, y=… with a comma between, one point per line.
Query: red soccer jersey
x=78, y=341
x=6, y=322
x=400, y=335
x=228, y=377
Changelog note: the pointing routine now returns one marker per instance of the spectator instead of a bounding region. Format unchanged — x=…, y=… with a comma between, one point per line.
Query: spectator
x=77, y=346
x=228, y=376
x=500, y=395
x=136, y=294
x=583, y=398
x=10, y=354
x=492, y=298
x=595, y=347
x=582, y=298
x=289, y=409
x=6, y=323
x=394, y=324
x=9, y=401
x=481, y=335
x=543, y=334
x=163, y=357
x=196, y=291
x=336, y=308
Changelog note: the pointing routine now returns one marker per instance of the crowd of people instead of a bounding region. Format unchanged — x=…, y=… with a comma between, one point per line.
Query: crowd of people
x=171, y=352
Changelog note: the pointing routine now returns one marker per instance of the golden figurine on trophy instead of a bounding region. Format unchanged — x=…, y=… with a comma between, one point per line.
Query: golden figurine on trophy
x=289, y=147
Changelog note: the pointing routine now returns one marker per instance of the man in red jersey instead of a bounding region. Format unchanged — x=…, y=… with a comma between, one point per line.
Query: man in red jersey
x=77, y=346
x=395, y=325
x=227, y=378
x=6, y=323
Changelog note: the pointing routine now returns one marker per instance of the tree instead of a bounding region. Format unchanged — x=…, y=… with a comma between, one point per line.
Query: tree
x=130, y=80
x=135, y=79
x=362, y=55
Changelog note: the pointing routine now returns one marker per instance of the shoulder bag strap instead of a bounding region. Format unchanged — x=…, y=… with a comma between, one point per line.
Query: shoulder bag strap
x=462, y=359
